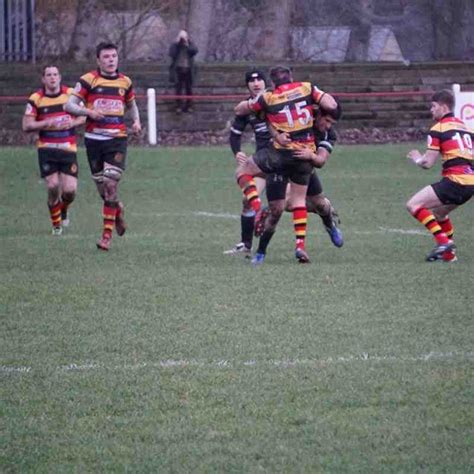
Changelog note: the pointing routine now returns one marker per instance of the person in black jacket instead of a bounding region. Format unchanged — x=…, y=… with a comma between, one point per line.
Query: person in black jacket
x=182, y=53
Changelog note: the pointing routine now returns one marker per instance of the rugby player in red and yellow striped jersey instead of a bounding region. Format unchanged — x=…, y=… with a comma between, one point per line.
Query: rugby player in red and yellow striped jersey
x=56, y=143
x=451, y=138
x=289, y=109
x=107, y=94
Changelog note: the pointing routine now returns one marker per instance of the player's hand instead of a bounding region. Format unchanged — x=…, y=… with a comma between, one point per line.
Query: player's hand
x=414, y=155
x=136, y=127
x=65, y=123
x=283, y=138
x=50, y=123
x=95, y=115
x=241, y=158
x=304, y=154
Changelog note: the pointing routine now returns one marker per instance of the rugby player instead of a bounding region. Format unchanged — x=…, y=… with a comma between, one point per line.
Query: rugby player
x=316, y=201
x=289, y=109
x=431, y=206
x=57, y=144
x=107, y=94
x=256, y=82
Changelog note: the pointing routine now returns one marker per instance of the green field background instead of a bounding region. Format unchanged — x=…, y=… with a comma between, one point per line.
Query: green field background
x=164, y=355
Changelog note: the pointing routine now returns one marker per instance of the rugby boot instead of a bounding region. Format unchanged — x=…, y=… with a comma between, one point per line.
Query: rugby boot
x=450, y=256
x=120, y=225
x=104, y=243
x=301, y=255
x=58, y=230
x=335, y=234
x=258, y=259
x=260, y=219
x=239, y=250
x=437, y=252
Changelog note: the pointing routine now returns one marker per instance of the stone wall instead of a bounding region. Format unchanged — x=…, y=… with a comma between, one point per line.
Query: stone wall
x=408, y=113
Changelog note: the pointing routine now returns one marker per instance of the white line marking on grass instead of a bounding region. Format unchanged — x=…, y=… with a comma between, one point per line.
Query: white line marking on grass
x=21, y=369
x=227, y=363
x=386, y=230
x=405, y=231
x=211, y=214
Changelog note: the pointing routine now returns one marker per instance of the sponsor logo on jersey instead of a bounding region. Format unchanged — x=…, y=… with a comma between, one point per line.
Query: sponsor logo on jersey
x=108, y=106
x=294, y=95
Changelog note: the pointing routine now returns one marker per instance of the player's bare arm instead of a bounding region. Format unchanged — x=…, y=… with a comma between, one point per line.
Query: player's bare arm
x=328, y=102
x=74, y=107
x=135, y=115
x=30, y=124
x=242, y=108
x=425, y=161
x=282, y=138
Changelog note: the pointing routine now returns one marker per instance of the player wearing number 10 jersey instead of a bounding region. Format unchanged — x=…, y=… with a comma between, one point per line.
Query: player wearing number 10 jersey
x=451, y=138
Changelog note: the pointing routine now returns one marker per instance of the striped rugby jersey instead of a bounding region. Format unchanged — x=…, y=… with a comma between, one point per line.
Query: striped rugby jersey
x=289, y=108
x=108, y=95
x=42, y=106
x=453, y=139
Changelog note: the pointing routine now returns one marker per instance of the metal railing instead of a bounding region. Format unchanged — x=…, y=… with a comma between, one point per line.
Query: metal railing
x=17, y=30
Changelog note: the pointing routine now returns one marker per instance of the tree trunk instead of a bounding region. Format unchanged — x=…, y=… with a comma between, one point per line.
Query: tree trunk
x=199, y=25
x=274, y=43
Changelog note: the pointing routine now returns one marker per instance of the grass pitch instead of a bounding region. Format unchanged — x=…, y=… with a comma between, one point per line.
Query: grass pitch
x=164, y=355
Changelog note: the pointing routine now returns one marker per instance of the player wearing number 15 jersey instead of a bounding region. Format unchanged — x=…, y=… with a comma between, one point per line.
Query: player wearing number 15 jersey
x=289, y=109
x=451, y=138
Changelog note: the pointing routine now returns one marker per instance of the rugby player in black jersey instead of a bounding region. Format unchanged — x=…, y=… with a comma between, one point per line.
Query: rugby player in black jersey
x=256, y=82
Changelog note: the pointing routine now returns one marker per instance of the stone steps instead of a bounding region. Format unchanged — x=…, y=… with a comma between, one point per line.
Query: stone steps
x=409, y=111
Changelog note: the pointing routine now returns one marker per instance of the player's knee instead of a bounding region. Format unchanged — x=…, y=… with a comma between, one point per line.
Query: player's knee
x=53, y=190
x=113, y=174
x=412, y=206
x=68, y=195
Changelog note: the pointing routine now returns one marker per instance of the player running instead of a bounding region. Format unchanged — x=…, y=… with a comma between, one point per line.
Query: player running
x=107, y=94
x=431, y=206
x=57, y=144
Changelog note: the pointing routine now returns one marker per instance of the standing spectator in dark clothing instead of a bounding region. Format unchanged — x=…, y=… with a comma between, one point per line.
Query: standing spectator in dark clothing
x=182, y=54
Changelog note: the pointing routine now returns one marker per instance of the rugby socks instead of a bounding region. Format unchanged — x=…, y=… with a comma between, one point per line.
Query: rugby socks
x=264, y=241
x=109, y=212
x=300, y=220
x=55, y=214
x=447, y=227
x=428, y=220
x=247, y=224
x=249, y=188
